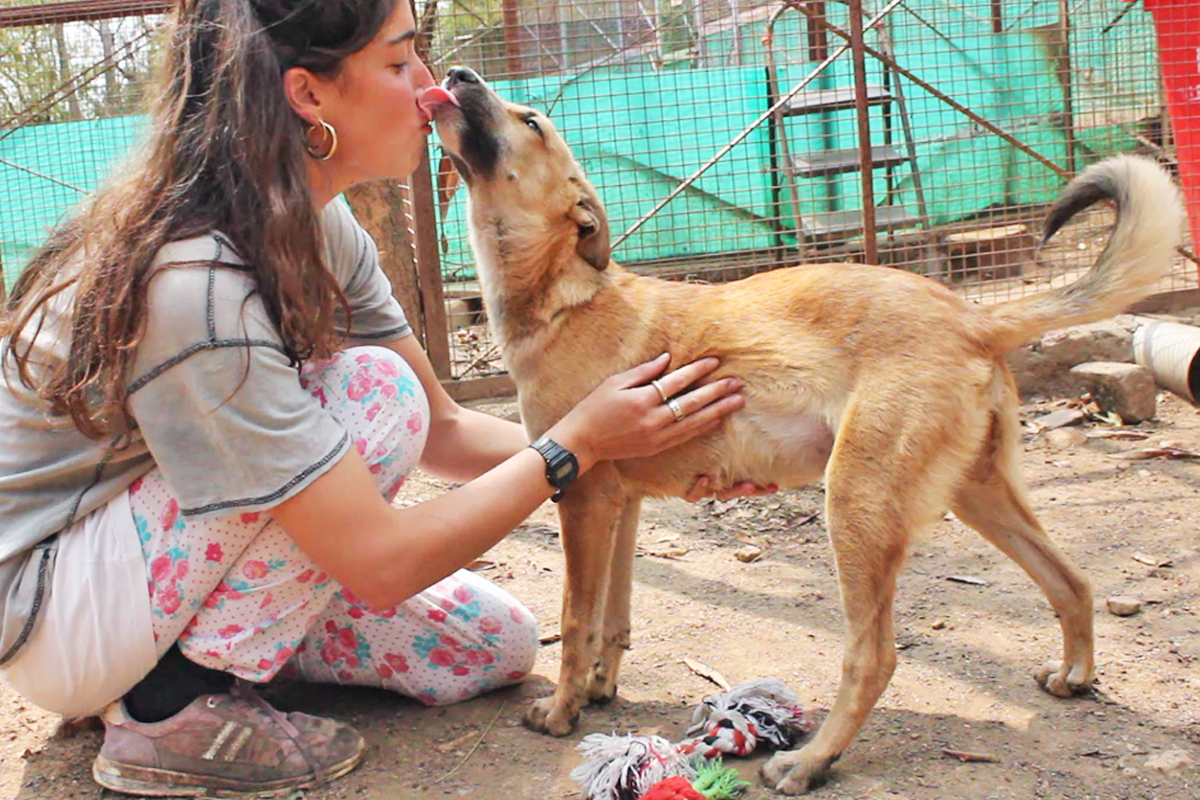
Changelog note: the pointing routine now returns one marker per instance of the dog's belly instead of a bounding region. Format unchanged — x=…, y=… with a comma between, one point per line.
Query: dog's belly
x=786, y=448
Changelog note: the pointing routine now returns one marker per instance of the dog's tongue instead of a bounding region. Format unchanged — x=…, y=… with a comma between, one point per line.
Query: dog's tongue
x=436, y=96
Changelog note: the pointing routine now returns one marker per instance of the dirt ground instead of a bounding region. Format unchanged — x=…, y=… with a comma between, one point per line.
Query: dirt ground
x=962, y=683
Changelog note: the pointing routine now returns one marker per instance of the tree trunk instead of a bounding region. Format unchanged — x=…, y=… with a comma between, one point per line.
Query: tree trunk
x=64, y=70
x=381, y=208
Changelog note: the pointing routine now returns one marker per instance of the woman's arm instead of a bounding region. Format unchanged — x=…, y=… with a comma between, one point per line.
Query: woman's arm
x=385, y=555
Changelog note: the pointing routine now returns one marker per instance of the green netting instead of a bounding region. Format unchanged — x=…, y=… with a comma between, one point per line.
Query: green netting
x=638, y=131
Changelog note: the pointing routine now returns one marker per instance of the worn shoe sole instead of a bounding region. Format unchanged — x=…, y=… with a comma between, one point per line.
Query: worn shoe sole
x=150, y=782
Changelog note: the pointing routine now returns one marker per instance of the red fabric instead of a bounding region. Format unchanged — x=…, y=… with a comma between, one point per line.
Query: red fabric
x=676, y=788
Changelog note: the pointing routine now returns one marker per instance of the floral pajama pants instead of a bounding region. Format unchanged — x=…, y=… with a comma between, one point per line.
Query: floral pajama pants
x=239, y=596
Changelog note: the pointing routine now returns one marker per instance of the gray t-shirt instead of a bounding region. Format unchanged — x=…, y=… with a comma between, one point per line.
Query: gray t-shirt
x=219, y=410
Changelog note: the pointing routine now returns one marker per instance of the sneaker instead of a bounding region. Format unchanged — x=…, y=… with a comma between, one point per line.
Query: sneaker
x=223, y=745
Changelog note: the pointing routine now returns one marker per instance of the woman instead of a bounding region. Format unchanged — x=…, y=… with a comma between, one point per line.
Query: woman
x=211, y=393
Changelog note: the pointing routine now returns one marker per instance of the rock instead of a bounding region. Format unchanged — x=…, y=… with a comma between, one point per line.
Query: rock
x=1125, y=389
x=748, y=553
x=1066, y=438
x=1124, y=605
x=1060, y=419
x=1043, y=367
x=1169, y=760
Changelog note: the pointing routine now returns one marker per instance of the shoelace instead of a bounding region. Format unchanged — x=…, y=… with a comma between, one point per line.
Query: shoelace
x=244, y=691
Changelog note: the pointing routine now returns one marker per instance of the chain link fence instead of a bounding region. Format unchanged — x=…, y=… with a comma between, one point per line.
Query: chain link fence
x=726, y=137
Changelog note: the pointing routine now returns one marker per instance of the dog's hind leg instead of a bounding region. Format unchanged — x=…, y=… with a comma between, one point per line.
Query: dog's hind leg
x=993, y=502
x=889, y=475
x=602, y=683
x=588, y=514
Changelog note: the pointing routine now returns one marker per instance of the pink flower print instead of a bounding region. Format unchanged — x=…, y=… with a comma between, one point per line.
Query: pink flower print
x=213, y=552
x=330, y=626
x=170, y=514
x=463, y=595
x=267, y=600
x=331, y=654
x=415, y=423
x=396, y=661
x=283, y=654
x=319, y=393
x=136, y=486
x=363, y=358
x=437, y=615
x=387, y=368
x=347, y=639
x=460, y=670
x=449, y=641
x=384, y=671
x=355, y=612
x=373, y=412
x=490, y=626
x=516, y=615
x=304, y=577
x=388, y=390
x=255, y=569
x=250, y=519
x=441, y=657
x=361, y=384
x=516, y=675
x=181, y=569
x=446, y=605
x=169, y=601
x=361, y=446
x=229, y=631
x=321, y=577
x=159, y=569
x=265, y=664
x=385, y=613
x=345, y=675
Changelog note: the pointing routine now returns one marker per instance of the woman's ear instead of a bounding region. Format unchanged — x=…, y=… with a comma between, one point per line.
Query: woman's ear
x=303, y=91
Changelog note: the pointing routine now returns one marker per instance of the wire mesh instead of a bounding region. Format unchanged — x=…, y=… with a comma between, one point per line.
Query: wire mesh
x=977, y=112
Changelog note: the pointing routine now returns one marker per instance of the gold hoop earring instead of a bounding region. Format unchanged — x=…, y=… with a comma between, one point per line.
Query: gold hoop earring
x=328, y=144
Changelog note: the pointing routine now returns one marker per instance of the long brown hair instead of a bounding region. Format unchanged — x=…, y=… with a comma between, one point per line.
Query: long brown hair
x=225, y=151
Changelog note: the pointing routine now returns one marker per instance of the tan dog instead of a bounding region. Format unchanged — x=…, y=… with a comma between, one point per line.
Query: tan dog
x=888, y=384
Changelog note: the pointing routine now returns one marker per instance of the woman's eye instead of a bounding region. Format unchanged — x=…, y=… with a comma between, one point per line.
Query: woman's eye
x=400, y=67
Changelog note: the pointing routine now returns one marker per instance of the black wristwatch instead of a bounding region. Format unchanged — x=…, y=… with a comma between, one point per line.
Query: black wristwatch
x=561, y=466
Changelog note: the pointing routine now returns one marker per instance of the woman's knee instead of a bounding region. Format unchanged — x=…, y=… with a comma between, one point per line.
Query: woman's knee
x=376, y=396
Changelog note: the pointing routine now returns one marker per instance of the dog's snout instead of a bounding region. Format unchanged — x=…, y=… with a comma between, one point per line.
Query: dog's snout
x=457, y=75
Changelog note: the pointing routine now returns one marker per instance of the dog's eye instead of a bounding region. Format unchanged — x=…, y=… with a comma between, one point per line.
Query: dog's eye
x=533, y=126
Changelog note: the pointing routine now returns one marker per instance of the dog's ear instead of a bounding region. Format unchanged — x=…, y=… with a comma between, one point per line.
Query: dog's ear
x=588, y=214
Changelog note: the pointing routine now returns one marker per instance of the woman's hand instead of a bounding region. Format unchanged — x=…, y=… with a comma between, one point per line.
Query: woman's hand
x=625, y=417
x=704, y=488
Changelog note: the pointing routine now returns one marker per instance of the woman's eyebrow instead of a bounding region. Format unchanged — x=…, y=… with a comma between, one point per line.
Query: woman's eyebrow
x=411, y=33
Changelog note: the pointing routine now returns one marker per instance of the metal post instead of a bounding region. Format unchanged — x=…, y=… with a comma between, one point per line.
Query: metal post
x=871, y=256
x=1067, y=78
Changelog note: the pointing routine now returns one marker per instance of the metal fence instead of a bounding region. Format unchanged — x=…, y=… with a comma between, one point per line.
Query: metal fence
x=725, y=136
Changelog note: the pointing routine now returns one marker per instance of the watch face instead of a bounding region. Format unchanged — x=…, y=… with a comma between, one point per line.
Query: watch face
x=563, y=470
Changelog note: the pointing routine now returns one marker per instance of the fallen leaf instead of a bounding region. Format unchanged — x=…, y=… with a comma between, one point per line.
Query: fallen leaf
x=1121, y=433
x=707, y=672
x=967, y=579
x=1150, y=561
x=1157, y=452
x=550, y=638
x=966, y=755
x=479, y=565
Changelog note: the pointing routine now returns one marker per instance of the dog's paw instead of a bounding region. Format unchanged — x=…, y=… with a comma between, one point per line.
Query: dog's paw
x=795, y=772
x=1062, y=680
x=544, y=716
x=601, y=691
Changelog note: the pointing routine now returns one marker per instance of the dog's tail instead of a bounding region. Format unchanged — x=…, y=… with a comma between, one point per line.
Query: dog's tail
x=1138, y=255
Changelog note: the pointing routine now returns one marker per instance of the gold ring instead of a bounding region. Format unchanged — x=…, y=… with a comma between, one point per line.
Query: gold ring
x=676, y=409
x=661, y=391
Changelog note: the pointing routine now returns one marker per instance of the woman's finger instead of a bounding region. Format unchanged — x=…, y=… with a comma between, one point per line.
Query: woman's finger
x=680, y=379
x=693, y=401
x=701, y=421
x=642, y=373
x=699, y=491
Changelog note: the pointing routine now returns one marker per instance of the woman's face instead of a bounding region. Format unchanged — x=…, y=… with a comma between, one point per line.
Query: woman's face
x=372, y=103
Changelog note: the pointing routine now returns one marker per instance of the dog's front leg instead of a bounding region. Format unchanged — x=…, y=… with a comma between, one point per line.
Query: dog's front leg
x=602, y=684
x=588, y=515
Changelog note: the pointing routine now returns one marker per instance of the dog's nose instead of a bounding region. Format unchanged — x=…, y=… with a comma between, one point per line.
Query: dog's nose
x=457, y=75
